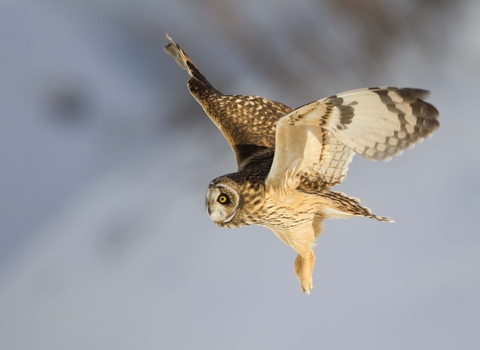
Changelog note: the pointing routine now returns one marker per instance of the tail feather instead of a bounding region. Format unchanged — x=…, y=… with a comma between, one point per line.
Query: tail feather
x=182, y=59
x=343, y=206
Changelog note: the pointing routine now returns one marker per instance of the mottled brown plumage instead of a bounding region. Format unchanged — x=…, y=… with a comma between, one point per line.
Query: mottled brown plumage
x=288, y=160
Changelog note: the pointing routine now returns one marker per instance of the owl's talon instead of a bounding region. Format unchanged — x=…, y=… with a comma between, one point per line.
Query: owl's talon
x=307, y=286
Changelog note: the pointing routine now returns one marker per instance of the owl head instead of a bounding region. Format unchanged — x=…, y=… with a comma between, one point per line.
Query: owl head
x=223, y=201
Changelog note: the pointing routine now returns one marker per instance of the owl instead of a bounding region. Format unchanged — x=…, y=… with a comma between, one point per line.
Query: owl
x=288, y=159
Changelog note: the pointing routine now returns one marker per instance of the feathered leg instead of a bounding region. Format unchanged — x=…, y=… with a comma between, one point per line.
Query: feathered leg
x=303, y=268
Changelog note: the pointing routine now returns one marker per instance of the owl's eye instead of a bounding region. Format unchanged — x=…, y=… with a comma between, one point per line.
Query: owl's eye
x=222, y=199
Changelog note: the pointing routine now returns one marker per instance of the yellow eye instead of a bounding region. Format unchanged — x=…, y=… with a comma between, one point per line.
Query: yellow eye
x=222, y=199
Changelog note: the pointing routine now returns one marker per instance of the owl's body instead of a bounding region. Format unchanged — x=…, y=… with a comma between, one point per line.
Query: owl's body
x=288, y=160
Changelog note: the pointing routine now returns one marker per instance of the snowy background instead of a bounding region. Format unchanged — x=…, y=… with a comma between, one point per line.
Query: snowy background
x=105, y=158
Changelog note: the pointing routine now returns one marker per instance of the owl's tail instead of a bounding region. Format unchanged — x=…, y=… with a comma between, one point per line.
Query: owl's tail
x=182, y=59
x=343, y=207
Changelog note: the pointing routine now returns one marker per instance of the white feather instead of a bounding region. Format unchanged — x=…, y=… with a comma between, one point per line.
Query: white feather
x=320, y=138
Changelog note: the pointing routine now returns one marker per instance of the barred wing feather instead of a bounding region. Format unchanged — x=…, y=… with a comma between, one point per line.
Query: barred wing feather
x=316, y=142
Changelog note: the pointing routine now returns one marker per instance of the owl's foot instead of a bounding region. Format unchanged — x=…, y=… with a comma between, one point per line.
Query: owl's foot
x=303, y=268
x=306, y=285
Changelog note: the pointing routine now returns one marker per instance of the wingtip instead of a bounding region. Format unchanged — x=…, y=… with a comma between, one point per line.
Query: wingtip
x=381, y=218
x=168, y=48
x=174, y=50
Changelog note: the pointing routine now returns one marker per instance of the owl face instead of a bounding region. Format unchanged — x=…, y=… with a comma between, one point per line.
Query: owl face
x=223, y=202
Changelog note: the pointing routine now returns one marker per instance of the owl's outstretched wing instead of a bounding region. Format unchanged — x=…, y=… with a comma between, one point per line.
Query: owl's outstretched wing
x=316, y=142
x=247, y=122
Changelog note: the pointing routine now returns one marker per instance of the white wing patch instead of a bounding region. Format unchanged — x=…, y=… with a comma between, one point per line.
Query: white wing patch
x=316, y=142
x=380, y=123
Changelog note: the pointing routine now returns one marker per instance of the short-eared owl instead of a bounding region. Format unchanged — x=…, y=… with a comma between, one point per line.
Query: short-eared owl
x=289, y=159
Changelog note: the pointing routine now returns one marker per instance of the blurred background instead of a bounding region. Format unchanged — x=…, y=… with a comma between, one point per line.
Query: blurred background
x=105, y=160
